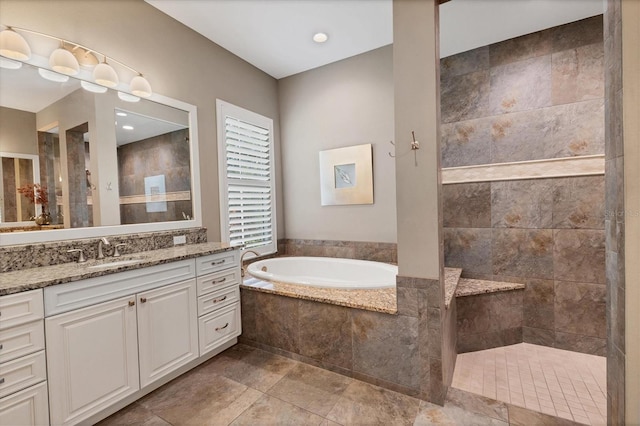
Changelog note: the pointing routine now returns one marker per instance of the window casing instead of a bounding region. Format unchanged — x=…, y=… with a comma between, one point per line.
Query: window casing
x=247, y=178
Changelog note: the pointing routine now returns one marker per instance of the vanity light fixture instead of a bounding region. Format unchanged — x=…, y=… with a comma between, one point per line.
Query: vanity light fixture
x=91, y=87
x=63, y=61
x=139, y=86
x=105, y=75
x=67, y=60
x=320, y=37
x=53, y=76
x=13, y=45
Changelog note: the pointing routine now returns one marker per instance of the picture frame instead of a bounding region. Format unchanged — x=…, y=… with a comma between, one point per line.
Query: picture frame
x=346, y=175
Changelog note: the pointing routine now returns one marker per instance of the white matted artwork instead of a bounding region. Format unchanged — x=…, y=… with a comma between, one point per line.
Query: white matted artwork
x=346, y=176
x=155, y=194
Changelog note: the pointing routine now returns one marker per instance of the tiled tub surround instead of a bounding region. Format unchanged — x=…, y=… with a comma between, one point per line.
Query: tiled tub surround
x=377, y=252
x=28, y=256
x=401, y=352
x=44, y=276
x=536, y=97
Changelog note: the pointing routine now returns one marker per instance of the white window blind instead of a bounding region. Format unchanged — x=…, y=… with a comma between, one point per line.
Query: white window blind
x=247, y=182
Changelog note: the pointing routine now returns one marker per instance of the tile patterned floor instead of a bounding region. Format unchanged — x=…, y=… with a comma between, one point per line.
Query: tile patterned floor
x=248, y=386
x=559, y=383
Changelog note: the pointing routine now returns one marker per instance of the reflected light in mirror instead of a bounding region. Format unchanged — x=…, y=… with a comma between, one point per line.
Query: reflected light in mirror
x=94, y=88
x=52, y=76
x=9, y=64
x=127, y=97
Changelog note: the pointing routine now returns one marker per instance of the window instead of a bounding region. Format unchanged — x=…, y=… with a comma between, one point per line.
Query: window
x=247, y=182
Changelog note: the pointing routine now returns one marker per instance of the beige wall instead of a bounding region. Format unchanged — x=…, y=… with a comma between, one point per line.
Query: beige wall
x=631, y=123
x=18, y=131
x=177, y=61
x=346, y=103
x=416, y=63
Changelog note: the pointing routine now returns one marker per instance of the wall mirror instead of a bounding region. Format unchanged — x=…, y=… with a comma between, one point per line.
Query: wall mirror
x=106, y=161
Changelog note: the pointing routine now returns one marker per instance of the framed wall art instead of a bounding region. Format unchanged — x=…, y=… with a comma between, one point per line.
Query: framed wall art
x=346, y=175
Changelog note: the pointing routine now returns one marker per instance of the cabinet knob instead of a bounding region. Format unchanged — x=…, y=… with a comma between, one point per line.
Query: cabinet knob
x=223, y=327
x=1, y=380
x=1, y=346
x=143, y=300
x=132, y=302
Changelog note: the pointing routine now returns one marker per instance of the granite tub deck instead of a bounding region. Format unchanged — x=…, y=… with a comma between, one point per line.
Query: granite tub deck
x=34, y=278
x=378, y=300
x=472, y=287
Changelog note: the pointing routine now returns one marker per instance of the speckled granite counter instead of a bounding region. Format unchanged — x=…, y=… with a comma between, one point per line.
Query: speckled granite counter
x=470, y=287
x=378, y=300
x=451, y=279
x=29, y=279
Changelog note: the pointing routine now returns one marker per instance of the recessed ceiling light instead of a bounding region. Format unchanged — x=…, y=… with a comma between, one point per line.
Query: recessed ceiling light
x=127, y=127
x=320, y=37
x=121, y=114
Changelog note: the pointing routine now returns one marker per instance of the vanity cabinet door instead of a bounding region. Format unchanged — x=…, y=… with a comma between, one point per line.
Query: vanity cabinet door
x=167, y=329
x=92, y=359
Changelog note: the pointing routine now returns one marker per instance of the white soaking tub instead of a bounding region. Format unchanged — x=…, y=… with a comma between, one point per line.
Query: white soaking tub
x=326, y=272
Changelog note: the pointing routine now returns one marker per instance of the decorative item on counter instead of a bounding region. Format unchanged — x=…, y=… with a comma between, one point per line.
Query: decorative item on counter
x=37, y=194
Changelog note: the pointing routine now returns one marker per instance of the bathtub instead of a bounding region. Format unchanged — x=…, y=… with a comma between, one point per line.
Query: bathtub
x=326, y=272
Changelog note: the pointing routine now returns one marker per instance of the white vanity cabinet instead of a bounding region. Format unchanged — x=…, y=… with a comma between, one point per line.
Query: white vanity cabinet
x=23, y=386
x=114, y=338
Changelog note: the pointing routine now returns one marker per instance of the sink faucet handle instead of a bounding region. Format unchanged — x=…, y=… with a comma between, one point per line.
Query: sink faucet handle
x=116, y=252
x=81, y=258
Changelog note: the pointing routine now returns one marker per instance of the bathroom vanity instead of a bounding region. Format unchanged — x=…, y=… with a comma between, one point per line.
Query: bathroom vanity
x=80, y=341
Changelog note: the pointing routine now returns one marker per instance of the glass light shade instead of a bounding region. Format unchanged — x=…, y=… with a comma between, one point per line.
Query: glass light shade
x=127, y=97
x=53, y=76
x=63, y=61
x=94, y=88
x=9, y=64
x=140, y=86
x=14, y=46
x=105, y=75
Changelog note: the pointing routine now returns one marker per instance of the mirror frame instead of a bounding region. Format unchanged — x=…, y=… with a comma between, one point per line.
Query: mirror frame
x=34, y=237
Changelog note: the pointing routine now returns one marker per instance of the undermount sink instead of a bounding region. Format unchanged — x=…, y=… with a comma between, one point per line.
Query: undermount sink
x=112, y=263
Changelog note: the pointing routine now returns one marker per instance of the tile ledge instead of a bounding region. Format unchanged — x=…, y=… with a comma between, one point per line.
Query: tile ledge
x=471, y=287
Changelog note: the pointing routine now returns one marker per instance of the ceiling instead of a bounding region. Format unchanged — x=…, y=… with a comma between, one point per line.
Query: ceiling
x=275, y=35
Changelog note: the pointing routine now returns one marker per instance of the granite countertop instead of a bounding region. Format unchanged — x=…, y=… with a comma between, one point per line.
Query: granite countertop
x=451, y=280
x=378, y=300
x=470, y=287
x=30, y=279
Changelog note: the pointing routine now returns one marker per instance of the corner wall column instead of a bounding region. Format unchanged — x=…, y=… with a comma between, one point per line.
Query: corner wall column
x=416, y=78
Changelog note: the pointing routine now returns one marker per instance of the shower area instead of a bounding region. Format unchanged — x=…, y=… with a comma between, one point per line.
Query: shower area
x=523, y=144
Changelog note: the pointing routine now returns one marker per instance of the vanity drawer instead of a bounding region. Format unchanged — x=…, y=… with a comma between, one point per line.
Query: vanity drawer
x=21, y=373
x=21, y=308
x=219, y=327
x=21, y=340
x=217, y=262
x=218, y=299
x=212, y=282
x=26, y=408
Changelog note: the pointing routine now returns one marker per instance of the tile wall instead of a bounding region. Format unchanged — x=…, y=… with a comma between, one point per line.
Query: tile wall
x=538, y=96
x=400, y=352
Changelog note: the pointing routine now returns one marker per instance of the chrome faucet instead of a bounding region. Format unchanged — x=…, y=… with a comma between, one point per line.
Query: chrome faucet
x=101, y=243
x=242, y=268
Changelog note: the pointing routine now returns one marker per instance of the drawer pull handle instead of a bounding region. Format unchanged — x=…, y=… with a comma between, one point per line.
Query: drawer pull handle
x=221, y=280
x=132, y=302
x=223, y=327
x=219, y=300
x=1, y=380
x=143, y=300
x=219, y=262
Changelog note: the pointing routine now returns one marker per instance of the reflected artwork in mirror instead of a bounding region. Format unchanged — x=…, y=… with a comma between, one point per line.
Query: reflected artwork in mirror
x=102, y=159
